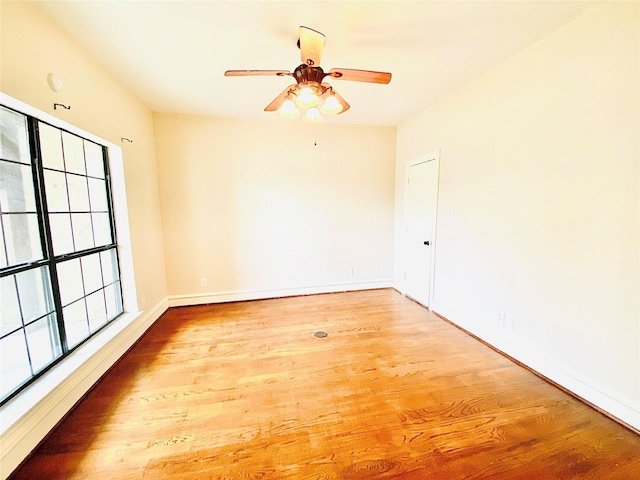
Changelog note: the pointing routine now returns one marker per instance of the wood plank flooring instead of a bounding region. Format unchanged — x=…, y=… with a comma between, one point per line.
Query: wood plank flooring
x=245, y=391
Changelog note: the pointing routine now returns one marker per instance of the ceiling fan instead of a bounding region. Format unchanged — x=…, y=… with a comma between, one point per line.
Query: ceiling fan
x=310, y=91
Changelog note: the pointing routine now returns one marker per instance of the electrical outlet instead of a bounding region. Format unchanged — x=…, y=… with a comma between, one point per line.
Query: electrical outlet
x=500, y=318
x=350, y=272
x=143, y=301
x=203, y=281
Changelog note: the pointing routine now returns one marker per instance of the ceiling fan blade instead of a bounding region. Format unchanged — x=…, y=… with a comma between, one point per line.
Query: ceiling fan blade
x=311, y=45
x=279, y=100
x=360, y=75
x=255, y=73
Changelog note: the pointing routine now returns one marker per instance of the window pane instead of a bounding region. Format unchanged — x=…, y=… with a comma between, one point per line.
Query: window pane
x=70, y=279
x=97, y=310
x=91, y=273
x=109, y=266
x=44, y=343
x=14, y=141
x=16, y=188
x=78, y=194
x=56, y=187
x=114, y=300
x=101, y=228
x=75, y=323
x=98, y=195
x=35, y=293
x=51, y=147
x=95, y=161
x=15, y=368
x=61, y=233
x=10, y=317
x=82, y=232
x=73, y=153
x=22, y=237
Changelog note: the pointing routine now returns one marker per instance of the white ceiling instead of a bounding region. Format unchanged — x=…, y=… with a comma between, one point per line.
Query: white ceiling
x=172, y=54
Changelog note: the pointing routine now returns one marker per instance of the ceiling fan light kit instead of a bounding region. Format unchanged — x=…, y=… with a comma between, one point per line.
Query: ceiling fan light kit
x=313, y=97
x=310, y=92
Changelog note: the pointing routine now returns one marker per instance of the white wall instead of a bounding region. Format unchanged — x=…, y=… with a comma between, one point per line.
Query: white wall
x=539, y=168
x=267, y=208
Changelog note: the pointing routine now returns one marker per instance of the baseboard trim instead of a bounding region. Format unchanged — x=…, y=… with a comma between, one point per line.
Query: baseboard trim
x=581, y=389
x=243, y=295
x=30, y=416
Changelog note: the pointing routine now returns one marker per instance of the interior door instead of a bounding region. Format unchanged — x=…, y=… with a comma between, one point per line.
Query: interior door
x=420, y=217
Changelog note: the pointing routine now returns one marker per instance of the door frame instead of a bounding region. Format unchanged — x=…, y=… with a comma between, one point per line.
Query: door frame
x=428, y=157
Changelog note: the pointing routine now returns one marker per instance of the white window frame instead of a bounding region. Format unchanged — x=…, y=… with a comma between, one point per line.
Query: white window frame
x=62, y=378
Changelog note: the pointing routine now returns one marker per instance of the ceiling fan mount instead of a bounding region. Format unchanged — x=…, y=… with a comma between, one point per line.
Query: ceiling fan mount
x=309, y=92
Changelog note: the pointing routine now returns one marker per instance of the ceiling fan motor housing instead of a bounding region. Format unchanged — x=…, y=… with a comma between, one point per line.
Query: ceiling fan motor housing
x=306, y=73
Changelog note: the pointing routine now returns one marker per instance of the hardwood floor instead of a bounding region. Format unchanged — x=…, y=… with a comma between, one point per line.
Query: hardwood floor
x=246, y=391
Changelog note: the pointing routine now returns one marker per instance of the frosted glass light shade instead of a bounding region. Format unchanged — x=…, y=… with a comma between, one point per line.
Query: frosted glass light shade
x=306, y=98
x=331, y=105
x=288, y=109
x=313, y=115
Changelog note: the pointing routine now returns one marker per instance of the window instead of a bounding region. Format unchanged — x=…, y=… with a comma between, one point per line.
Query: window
x=59, y=273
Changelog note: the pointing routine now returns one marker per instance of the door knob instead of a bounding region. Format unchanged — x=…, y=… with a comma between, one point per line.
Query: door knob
x=427, y=242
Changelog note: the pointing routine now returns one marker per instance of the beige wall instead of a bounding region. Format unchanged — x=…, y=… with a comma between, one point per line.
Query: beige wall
x=539, y=168
x=31, y=47
x=274, y=206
